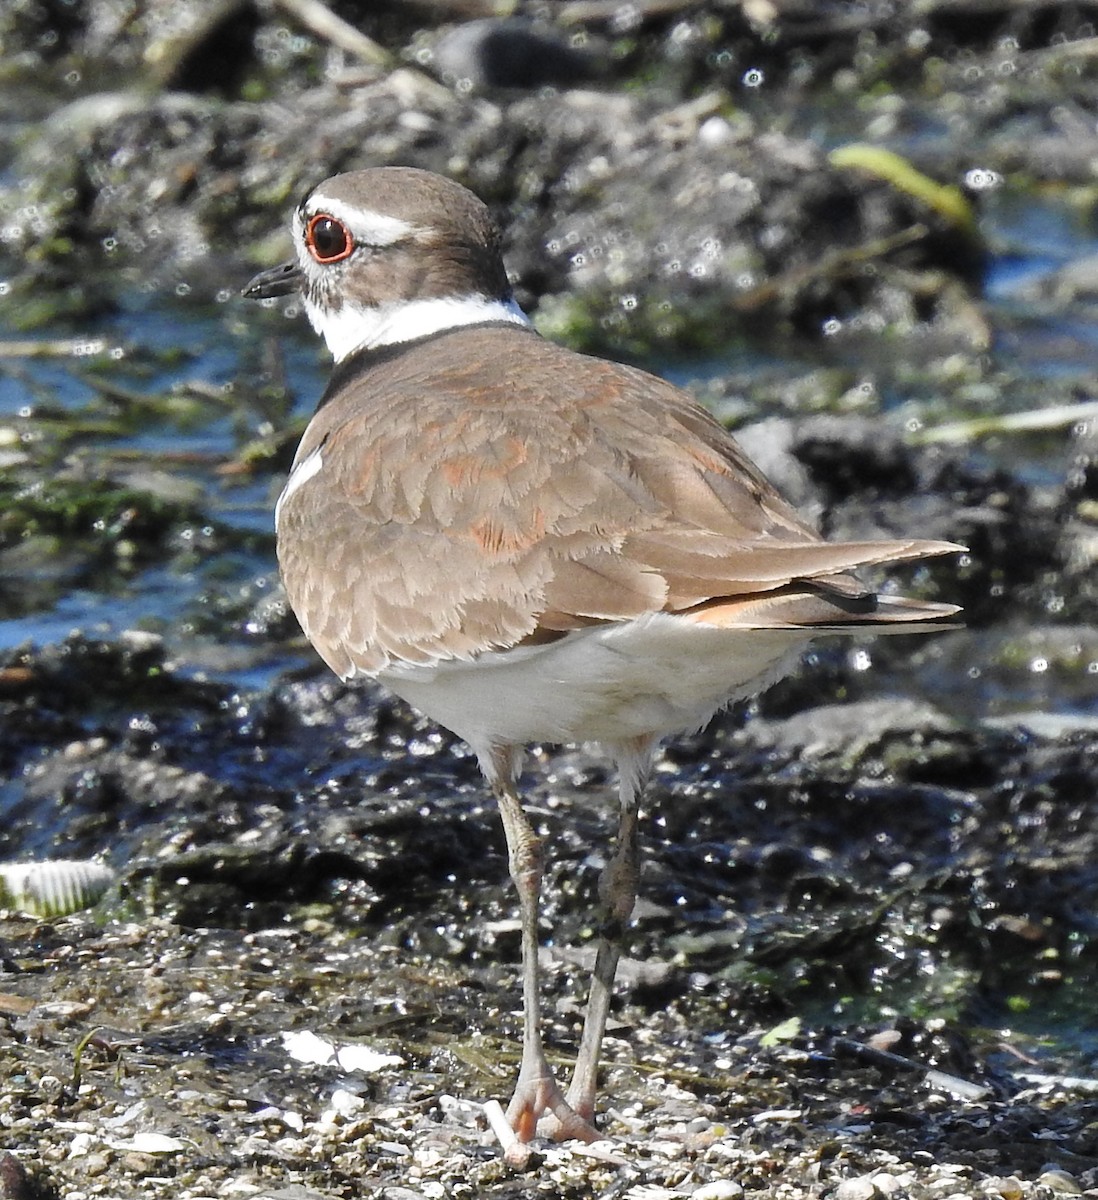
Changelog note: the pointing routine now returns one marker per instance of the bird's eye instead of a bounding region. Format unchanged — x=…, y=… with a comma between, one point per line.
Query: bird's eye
x=327, y=239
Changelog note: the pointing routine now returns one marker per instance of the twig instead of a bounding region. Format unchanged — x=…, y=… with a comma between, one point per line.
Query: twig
x=53, y=348
x=1038, y=420
x=964, y=1089
x=1072, y=1083
x=319, y=19
x=829, y=266
x=581, y=12
x=497, y=1119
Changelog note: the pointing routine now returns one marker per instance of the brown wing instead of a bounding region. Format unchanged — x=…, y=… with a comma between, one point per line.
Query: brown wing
x=451, y=517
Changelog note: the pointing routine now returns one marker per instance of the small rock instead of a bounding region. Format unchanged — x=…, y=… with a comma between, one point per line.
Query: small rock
x=719, y=1189
x=1059, y=1181
x=95, y=1164
x=860, y=1188
x=510, y=53
x=1009, y=1187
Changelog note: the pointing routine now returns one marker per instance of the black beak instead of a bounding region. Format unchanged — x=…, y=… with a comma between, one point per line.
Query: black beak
x=278, y=281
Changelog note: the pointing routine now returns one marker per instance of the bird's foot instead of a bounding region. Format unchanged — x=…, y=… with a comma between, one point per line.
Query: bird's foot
x=572, y=1125
x=539, y=1106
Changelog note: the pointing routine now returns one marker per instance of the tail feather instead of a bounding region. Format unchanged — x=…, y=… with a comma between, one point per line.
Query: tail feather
x=800, y=607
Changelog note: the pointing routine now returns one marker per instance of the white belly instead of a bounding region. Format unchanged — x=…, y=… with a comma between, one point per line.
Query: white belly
x=656, y=675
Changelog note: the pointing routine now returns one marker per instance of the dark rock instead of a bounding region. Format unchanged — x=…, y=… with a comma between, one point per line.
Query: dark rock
x=510, y=53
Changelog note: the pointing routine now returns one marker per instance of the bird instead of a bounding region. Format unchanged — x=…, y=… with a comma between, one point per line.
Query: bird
x=532, y=545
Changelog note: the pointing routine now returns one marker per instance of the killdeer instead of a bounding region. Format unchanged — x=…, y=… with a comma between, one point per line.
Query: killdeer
x=531, y=545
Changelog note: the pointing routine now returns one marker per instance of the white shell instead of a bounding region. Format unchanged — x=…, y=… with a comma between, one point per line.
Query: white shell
x=53, y=889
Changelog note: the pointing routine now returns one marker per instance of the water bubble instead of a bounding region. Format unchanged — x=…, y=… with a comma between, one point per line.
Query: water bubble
x=861, y=660
x=831, y=326
x=753, y=78
x=982, y=179
x=182, y=289
x=1038, y=665
x=629, y=303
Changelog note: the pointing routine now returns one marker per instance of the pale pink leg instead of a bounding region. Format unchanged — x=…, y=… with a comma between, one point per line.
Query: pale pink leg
x=618, y=893
x=536, y=1091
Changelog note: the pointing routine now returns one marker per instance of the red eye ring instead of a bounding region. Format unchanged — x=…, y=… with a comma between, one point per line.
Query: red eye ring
x=327, y=239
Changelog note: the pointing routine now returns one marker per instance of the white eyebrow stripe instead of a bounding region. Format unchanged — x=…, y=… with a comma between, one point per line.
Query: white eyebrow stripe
x=309, y=466
x=368, y=227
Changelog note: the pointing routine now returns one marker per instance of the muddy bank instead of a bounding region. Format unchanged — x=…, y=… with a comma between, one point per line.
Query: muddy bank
x=318, y=860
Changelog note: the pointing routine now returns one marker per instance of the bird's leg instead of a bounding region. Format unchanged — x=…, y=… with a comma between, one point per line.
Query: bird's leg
x=536, y=1091
x=618, y=894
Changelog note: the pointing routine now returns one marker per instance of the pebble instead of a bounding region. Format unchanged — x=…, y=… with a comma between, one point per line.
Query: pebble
x=95, y=1164
x=861, y=1187
x=1059, y=1181
x=1009, y=1187
x=719, y=1189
